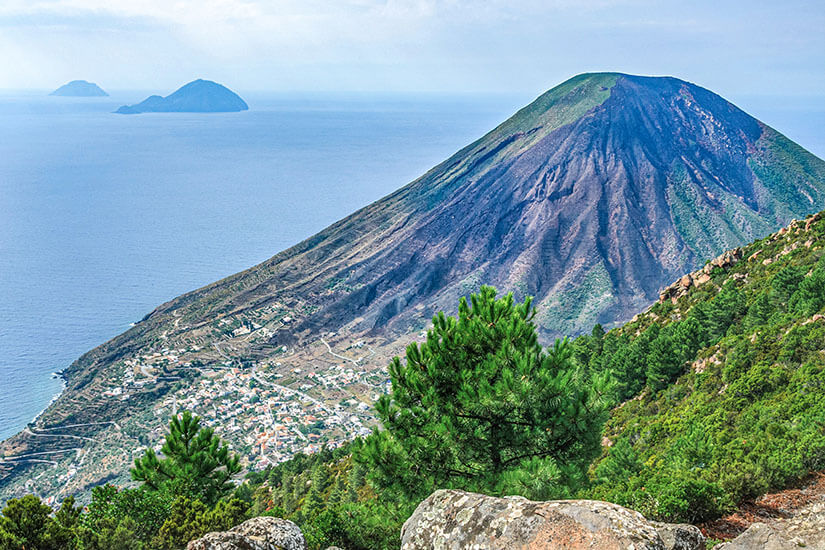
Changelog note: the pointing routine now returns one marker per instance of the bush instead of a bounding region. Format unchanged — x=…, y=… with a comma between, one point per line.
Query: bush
x=690, y=499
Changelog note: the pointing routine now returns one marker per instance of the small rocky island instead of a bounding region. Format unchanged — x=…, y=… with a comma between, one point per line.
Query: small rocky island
x=199, y=96
x=80, y=88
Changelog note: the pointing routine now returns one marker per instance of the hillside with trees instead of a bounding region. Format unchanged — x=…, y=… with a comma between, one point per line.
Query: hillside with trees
x=590, y=199
x=715, y=395
x=712, y=396
x=720, y=385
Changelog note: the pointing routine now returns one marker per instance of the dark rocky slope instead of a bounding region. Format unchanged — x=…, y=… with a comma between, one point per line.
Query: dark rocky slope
x=591, y=199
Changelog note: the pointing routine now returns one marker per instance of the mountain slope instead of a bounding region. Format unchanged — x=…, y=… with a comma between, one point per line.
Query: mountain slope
x=614, y=183
x=740, y=412
x=591, y=199
x=740, y=409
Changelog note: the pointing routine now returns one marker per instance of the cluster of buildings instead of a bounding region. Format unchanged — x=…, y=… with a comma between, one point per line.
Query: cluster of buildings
x=266, y=411
x=267, y=422
x=147, y=369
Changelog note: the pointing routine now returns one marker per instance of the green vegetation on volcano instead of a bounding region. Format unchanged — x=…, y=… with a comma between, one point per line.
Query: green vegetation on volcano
x=717, y=398
x=721, y=393
x=717, y=394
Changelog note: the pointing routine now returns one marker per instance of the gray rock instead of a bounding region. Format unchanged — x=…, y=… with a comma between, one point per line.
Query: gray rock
x=225, y=541
x=679, y=536
x=261, y=533
x=758, y=536
x=454, y=520
x=805, y=528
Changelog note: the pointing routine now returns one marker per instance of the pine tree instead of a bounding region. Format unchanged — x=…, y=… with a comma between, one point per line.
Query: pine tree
x=663, y=361
x=110, y=534
x=480, y=398
x=183, y=524
x=65, y=521
x=759, y=312
x=319, y=477
x=27, y=523
x=195, y=463
x=24, y=523
x=355, y=481
x=314, y=503
x=596, y=339
x=339, y=490
x=672, y=348
x=621, y=463
x=785, y=282
x=810, y=296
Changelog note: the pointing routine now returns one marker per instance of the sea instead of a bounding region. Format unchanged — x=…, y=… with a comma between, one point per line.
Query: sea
x=105, y=216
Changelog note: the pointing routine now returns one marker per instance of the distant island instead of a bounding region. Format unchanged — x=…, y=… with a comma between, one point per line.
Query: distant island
x=199, y=96
x=80, y=88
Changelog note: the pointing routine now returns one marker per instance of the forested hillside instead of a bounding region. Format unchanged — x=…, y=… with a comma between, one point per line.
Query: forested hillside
x=720, y=382
x=717, y=393
x=712, y=396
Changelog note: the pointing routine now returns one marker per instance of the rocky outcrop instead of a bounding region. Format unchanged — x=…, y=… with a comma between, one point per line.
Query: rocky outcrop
x=679, y=536
x=759, y=536
x=699, y=277
x=261, y=533
x=450, y=519
x=804, y=529
x=732, y=257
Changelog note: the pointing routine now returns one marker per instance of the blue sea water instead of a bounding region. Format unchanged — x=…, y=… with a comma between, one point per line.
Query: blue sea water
x=104, y=216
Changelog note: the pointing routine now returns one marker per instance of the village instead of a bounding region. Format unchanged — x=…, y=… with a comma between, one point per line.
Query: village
x=266, y=410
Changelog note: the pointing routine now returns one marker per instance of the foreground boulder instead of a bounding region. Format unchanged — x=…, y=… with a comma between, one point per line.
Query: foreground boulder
x=679, y=536
x=450, y=519
x=804, y=528
x=262, y=533
x=759, y=537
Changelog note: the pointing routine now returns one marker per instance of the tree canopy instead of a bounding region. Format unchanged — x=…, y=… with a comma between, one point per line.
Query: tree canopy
x=481, y=405
x=195, y=462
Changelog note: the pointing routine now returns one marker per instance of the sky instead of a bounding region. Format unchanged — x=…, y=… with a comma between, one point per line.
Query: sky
x=524, y=46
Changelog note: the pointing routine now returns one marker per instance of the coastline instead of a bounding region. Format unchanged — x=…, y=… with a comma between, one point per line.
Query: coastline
x=63, y=385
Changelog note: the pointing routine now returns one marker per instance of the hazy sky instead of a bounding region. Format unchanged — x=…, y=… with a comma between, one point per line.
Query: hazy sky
x=732, y=47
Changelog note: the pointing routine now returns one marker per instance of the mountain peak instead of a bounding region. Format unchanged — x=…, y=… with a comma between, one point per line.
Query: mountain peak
x=591, y=199
x=79, y=88
x=198, y=96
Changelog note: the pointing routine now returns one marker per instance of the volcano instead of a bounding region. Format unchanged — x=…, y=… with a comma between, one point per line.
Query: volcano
x=592, y=199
